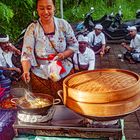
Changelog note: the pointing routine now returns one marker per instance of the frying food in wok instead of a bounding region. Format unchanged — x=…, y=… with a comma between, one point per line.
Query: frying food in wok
x=38, y=102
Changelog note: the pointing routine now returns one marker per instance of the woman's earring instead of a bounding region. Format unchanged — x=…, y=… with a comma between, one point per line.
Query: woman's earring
x=35, y=15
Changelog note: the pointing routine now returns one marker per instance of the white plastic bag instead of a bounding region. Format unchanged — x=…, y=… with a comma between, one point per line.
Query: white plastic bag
x=45, y=70
x=54, y=71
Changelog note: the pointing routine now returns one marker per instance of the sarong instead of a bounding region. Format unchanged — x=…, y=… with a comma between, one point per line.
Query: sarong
x=40, y=85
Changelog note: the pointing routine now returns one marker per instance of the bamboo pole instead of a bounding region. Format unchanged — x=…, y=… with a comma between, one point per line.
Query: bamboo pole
x=61, y=8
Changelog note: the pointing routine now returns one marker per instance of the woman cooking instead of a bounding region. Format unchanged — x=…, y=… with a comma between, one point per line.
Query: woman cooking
x=45, y=39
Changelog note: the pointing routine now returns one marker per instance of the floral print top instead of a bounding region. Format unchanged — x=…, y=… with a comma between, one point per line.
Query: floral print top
x=38, y=45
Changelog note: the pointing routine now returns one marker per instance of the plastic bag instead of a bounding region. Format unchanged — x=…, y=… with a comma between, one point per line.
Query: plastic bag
x=45, y=70
x=54, y=71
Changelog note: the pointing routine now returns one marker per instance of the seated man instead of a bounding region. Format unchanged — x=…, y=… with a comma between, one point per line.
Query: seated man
x=6, y=52
x=133, y=50
x=84, y=59
x=97, y=40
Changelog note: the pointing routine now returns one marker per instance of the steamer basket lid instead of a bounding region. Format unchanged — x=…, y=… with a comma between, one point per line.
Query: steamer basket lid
x=104, y=80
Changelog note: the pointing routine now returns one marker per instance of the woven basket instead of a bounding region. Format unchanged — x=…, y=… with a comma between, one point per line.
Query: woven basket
x=118, y=108
x=101, y=86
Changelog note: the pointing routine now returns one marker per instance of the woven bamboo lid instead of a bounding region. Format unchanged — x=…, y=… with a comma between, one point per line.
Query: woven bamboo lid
x=100, y=86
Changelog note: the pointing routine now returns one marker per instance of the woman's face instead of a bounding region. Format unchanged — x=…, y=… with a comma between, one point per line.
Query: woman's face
x=45, y=9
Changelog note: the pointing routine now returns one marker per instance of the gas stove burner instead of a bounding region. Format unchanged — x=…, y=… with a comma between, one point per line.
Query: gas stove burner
x=92, y=123
x=112, y=122
x=33, y=118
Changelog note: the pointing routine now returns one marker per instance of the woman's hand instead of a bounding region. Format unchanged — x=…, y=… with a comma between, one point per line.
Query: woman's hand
x=61, y=56
x=26, y=77
x=26, y=68
x=65, y=54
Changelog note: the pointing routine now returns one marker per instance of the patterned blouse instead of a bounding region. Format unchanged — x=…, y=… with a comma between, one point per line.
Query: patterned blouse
x=37, y=45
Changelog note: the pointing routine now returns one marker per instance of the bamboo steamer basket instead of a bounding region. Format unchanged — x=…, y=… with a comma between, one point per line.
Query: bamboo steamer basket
x=101, y=86
x=105, y=111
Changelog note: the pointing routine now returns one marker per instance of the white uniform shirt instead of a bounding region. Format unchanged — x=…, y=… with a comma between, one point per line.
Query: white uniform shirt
x=88, y=57
x=135, y=43
x=6, y=58
x=97, y=38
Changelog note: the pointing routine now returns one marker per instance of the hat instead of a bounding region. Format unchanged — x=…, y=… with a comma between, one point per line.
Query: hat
x=82, y=38
x=99, y=26
x=132, y=28
x=4, y=38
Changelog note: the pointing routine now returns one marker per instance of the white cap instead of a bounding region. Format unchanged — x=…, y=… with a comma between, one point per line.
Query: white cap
x=82, y=38
x=99, y=26
x=138, y=11
x=4, y=39
x=132, y=28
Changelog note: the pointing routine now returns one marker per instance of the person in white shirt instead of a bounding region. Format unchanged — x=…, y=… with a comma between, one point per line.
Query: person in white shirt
x=6, y=52
x=133, y=50
x=97, y=39
x=84, y=59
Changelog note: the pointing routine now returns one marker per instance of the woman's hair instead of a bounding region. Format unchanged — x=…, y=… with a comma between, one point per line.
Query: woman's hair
x=38, y=0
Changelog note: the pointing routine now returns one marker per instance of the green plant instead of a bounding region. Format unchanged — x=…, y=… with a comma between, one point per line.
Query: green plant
x=6, y=14
x=74, y=13
x=15, y=15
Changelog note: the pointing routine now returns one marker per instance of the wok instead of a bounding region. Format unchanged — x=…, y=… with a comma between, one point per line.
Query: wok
x=37, y=110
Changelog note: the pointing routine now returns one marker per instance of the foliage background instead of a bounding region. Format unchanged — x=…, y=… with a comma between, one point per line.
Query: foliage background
x=15, y=15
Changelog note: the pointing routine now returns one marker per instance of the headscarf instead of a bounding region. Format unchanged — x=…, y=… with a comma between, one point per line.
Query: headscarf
x=4, y=39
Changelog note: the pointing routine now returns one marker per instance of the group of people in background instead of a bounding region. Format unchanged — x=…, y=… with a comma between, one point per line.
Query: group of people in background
x=7, y=50
x=51, y=37
x=133, y=50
